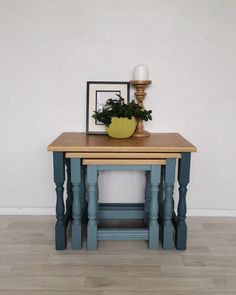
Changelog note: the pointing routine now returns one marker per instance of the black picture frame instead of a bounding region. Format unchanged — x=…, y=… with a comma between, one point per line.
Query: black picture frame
x=97, y=94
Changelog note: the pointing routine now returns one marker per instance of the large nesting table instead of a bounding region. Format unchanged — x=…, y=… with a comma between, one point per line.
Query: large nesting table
x=81, y=146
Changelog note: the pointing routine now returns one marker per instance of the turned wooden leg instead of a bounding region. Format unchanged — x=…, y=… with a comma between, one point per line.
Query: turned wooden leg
x=92, y=208
x=168, y=229
x=83, y=195
x=76, y=242
x=153, y=224
x=69, y=199
x=161, y=189
x=97, y=199
x=147, y=198
x=59, y=178
x=183, y=179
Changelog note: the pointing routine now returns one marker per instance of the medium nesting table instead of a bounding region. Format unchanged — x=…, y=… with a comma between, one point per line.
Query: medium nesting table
x=80, y=146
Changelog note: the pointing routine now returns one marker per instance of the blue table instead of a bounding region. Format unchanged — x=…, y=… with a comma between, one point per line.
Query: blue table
x=158, y=145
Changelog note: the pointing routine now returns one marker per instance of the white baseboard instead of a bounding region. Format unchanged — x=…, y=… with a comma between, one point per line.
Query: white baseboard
x=27, y=211
x=51, y=211
x=212, y=212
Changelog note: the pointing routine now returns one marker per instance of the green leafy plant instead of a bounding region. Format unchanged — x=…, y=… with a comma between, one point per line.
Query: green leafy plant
x=118, y=108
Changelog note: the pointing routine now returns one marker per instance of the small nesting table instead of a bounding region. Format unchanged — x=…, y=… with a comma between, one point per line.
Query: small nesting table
x=81, y=146
x=151, y=231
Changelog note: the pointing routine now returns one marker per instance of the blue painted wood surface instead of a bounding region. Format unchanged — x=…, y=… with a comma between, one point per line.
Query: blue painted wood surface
x=59, y=178
x=124, y=167
x=121, y=211
x=92, y=208
x=147, y=198
x=97, y=200
x=155, y=176
x=94, y=234
x=69, y=199
x=123, y=234
x=183, y=179
x=83, y=201
x=76, y=242
x=168, y=229
x=161, y=190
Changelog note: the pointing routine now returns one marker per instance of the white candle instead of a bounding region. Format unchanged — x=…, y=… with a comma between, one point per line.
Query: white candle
x=141, y=72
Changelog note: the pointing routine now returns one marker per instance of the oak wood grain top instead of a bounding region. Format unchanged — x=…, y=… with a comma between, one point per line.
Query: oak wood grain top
x=124, y=162
x=110, y=155
x=157, y=142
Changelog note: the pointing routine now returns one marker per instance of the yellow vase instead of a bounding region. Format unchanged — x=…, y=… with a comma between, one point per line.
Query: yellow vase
x=121, y=127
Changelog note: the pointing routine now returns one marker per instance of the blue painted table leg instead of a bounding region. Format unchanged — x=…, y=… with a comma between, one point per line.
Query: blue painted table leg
x=161, y=191
x=153, y=224
x=76, y=242
x=83, y=194
x=69, y=200
x=59, y=178
x=97, y=199
x=147, y=198
x=183, y=179
x=92, y=208
x=168, y=229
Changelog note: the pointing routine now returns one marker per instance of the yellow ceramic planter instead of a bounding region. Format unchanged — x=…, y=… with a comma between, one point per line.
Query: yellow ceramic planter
x=121, y=127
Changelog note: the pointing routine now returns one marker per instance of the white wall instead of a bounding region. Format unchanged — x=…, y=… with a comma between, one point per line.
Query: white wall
x=50, y=48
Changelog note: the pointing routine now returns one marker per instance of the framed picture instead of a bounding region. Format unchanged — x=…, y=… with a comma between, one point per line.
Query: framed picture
x=97, y=95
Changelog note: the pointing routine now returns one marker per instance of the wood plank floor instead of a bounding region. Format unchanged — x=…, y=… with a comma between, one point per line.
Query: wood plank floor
x=30, y=265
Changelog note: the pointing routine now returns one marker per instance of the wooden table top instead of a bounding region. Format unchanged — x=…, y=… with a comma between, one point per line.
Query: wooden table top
x=157, y=142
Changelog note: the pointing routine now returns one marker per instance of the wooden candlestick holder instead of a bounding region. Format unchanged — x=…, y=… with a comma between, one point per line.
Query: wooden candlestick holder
x=140, y=95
